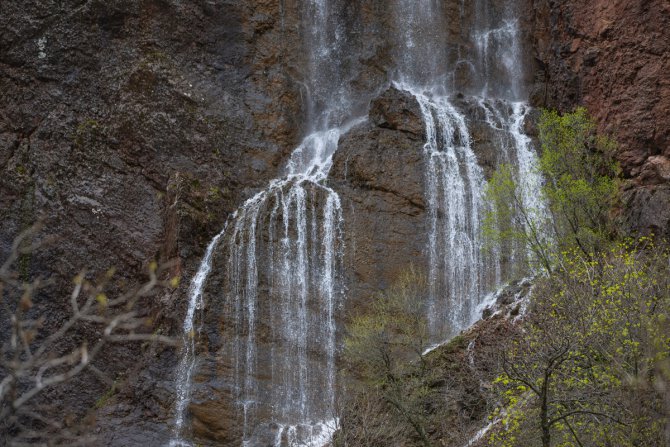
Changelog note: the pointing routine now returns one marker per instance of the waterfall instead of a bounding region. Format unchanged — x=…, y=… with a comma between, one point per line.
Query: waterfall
x=422, y=55
x=302, y=218
x=299, y=262
x=460, y=270
x=187, y=362
x=455, y=184
x=463, y=268
x=302, y=258
x=283, y=253
x=507, y=119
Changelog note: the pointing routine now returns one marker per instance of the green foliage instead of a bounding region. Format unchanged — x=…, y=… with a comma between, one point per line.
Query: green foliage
x=596, y=340
x=580, y=191
x=511, y=223
x=384, y=352
x=589, y=367
x=581, y=174
x=382, y=342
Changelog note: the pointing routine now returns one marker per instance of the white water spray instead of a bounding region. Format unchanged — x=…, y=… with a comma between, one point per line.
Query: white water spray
x=283, y=252
x=299, y=265
x=187, y=362
x=455, y=185
x=461, y=270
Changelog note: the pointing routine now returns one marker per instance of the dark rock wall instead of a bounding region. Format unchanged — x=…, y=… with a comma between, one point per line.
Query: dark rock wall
x=614, y=58
x=116, y=114
x=134, y=127
x=378, y=172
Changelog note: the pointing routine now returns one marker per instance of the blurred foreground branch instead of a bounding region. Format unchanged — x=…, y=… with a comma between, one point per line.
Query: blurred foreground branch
x=35, y=357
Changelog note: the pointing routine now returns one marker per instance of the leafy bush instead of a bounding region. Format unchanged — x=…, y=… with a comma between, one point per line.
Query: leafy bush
x=384, y=353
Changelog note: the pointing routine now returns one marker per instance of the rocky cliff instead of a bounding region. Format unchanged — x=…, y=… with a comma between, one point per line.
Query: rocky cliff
x=134, y=128
x=612, y=57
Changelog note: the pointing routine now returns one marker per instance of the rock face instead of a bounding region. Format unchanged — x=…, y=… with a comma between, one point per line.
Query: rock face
x=378, y=171
x=612, y=57
x=135, y=128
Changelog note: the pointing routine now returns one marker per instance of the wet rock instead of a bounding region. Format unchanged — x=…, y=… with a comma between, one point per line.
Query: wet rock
x=509, y=301
x=397, y=110
x=378, y=172
x=655, y=171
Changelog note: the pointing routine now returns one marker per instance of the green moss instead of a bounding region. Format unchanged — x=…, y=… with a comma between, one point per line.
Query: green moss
x=104, y=399
x=87, y=131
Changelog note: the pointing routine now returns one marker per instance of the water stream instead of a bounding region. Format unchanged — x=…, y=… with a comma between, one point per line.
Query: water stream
x=282, y=249
x=298, y=259
x=187, y=362
x=455, y=188
x=283, y=254
x=463, y=266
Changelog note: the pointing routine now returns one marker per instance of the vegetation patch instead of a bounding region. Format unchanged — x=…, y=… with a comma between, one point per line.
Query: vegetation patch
x=588, y=364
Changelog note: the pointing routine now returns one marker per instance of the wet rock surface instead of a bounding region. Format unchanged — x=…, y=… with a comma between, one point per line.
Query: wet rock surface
x=379, y=171
x=397, y=110
x=379, y=175
x=134, y=128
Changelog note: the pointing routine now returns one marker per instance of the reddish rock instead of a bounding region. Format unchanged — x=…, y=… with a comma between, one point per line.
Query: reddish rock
x=612, y=56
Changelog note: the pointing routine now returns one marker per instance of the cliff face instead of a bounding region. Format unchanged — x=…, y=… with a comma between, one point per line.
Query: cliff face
x=612, y=57
x=134, y=128
x=119, y=118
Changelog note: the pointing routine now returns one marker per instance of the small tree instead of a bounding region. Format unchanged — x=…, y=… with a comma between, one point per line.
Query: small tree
x=581, y=173
x=589, y=352
x=510, y=219
x=579, y=192
x=384, y=350
x=595, y=340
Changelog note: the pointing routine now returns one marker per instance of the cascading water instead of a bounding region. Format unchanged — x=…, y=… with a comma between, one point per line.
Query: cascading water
x=461, y=273
x=300, y=261
x=280, y=293
x=455, y=185
x=187, y=362
x=507, y=120
x=283, y=247
x=298, y=258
